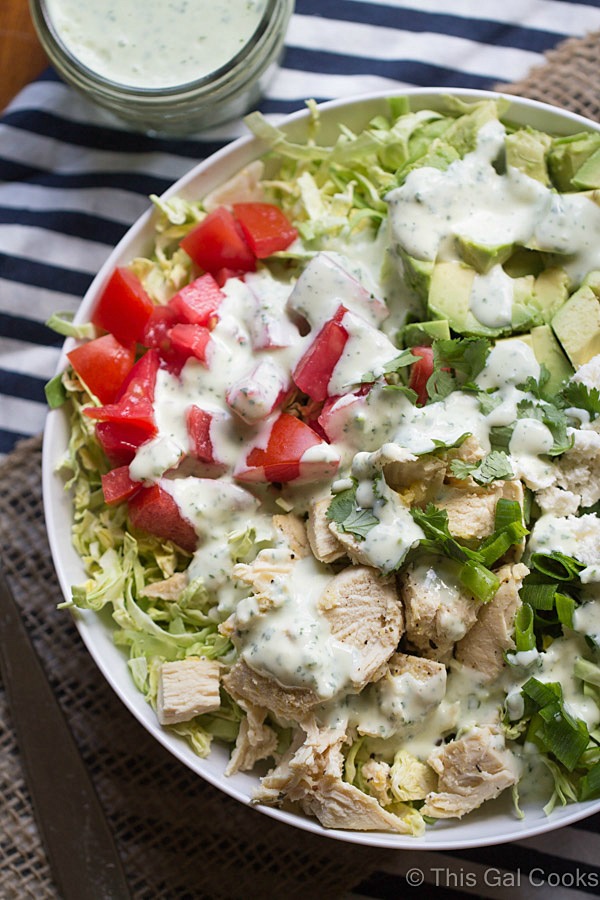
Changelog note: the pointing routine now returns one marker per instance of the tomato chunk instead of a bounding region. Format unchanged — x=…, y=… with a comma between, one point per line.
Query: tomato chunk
x=102, y=365
x=281, y=459
x=190, y=340
x=314, y=370
x=134, y=402
x=420, y=373
x=217, y=242
x=154, y=510
x=198, y=302
x=124, y=307
x=266, y=227
x=198, y=423
x=117, y=485
x=120, y=440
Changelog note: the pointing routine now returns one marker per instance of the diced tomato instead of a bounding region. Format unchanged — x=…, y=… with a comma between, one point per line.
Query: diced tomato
x=280, y=460
x=266, y=228
x=224, y=274
x=420, y=373
x=257, y=393
x=156, y=332
x=117, y=485
x=190, y=340
x=102, y=365
x=134, y=402
x=314, y=370
x=154, y=510
x=198, y=423
x=198, y=302
x=337, y=412
x=217, y=242
x=120, y=440
x=124, y=307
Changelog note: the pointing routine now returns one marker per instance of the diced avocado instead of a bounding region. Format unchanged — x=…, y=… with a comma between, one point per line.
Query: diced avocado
x=524, y=262
x=450, y=298
x=577, y=322
x=548, y=351
x=588, y=175
x=439, y=155
x=483, y=256
x=525, y=311
x=567, y=155
x=526, y=151
x=422, y=334
x=417, y=274
x=463, y=133
x=551, y=290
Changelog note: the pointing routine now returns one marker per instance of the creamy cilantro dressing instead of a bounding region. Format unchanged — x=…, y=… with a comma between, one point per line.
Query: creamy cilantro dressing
x=292, y=641
x=474, y=201
x=158, y=45
x=491, y=298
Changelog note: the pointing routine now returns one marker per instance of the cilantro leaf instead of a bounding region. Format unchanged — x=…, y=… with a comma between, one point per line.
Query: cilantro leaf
x=536, y=387
x=359, y=522
x=390, y=368
x=440, y=384
x=580, y=396
x=496, y=465
x=464, y=355
x=348, y=516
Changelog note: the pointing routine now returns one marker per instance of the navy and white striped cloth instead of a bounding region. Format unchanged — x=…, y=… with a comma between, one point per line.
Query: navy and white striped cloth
x=72, y=180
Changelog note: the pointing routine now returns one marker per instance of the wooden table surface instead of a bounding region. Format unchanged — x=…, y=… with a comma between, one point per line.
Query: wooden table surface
x=21, y=56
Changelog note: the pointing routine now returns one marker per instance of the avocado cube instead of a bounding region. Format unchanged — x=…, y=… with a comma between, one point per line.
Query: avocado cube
x=417, y=274
x=483, y=256
x=526, y=151
x=587, y=176
x=551, y=290
x=423, y=334
x=549, y=352
x=577, y=322
x=567, y=156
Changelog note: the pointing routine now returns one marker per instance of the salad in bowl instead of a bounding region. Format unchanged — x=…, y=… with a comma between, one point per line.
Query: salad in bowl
x=327, y=433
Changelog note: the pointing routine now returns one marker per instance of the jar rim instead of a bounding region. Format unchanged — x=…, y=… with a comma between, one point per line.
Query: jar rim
x=42, y=16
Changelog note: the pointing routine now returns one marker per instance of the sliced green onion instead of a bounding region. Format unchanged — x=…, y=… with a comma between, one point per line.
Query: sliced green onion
x=524, y=634
x=557, y=565
x=589, y=786
x=565, y=607
x=479, y=581
x=587, y=670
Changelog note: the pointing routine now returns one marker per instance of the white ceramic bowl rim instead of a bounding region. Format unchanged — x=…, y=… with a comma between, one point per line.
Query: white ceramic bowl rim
x=493, y=823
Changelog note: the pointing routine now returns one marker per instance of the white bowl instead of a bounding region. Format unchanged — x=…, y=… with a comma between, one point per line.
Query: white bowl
x=493, y=823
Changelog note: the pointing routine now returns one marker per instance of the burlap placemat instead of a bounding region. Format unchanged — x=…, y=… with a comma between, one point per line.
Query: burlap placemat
x=179, y=837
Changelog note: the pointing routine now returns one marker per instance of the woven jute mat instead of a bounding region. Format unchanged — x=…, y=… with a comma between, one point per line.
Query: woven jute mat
x=179, y=837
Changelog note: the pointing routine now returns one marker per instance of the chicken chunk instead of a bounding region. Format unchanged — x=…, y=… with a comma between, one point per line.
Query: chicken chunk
x=255, y=740
x=484, y=646
x=311, y=775
x=292, y=533
x=438, y=611
x=578, y=470
x=418, y=480
x=362, y=622
x=288, y=704
x=471, y=770
x=187, y=688
x=471, y=512
x=169, y=589
x=364, y=614
x=323, y=541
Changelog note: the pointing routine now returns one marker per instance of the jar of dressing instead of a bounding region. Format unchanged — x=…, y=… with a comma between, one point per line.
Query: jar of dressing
x=166, y=66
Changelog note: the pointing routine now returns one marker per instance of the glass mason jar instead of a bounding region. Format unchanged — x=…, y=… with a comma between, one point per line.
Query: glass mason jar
x=130, y=66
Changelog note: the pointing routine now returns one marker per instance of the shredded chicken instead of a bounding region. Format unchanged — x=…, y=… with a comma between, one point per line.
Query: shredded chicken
x=323, y=540
x=484, y=646
x=311, y=775
x=255, y=740
x=471, y=512
x=471, y=770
